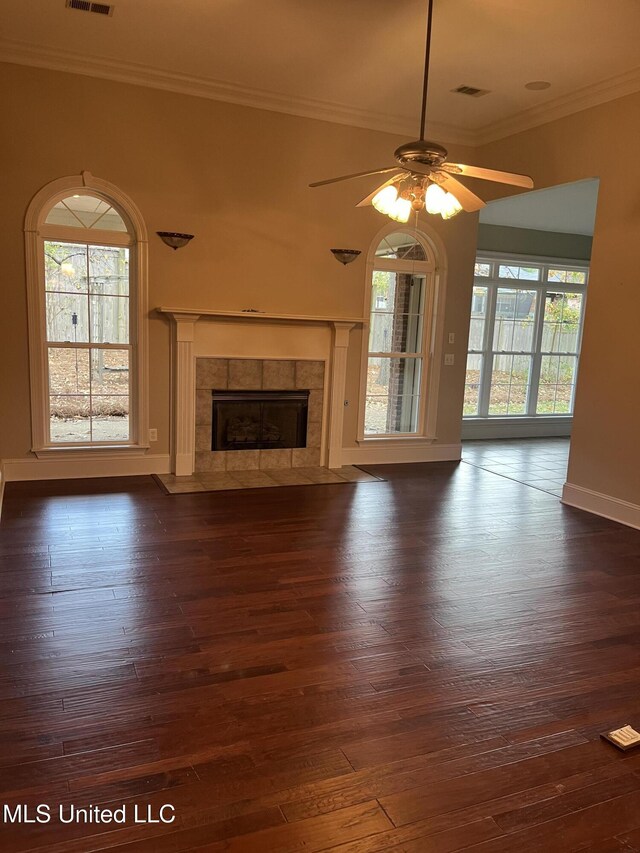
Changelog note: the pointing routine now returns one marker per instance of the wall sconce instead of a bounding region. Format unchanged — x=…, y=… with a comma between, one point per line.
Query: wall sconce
x=174, y=239
x=345, y=256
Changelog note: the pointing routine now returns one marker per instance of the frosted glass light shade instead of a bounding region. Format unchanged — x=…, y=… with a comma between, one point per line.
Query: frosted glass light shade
x=450, y=207
x=384, y=200
x=401, y=210
x=434, y=198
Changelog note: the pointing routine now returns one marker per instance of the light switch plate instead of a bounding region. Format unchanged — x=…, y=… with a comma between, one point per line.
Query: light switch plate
x=448, y=358
x=452, y=337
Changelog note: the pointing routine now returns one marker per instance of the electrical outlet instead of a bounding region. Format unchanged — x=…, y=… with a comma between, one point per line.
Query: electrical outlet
x=448, y=358
x=452, y=337
x=153, y=435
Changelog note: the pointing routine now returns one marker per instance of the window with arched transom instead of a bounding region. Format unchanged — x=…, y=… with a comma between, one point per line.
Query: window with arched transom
x=401, y=300
x=86, y=263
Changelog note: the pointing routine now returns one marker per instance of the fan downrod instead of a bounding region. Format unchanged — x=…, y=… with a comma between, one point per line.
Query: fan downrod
x=421, y=151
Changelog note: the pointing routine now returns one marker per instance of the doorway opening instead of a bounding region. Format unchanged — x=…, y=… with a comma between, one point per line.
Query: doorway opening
x=527, y=314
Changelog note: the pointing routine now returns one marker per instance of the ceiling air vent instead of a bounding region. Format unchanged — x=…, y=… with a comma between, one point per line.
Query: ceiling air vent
x=87, y=6
x=472, y=91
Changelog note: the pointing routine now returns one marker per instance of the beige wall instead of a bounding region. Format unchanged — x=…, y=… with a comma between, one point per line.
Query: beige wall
x=237, y=179
x=600, y=142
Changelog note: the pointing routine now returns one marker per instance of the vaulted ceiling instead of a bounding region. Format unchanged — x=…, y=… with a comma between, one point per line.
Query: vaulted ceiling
x=352, y=61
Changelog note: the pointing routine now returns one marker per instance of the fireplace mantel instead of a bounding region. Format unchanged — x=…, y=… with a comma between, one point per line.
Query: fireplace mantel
x=183, y=396
x=255, y=316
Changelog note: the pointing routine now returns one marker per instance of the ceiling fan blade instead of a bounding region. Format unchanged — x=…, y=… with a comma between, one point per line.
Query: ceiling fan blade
x=355, y=175
x=499, y=177
x=469, y=201
x=368, y=199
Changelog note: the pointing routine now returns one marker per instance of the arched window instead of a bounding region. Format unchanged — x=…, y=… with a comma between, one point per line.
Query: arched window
x=86, y=265
x=402, y=268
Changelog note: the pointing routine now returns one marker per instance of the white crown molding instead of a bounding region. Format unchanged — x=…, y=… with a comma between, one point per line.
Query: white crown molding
x=23, y=53
x=574, y=102
x=597, y=503
x=39, y=56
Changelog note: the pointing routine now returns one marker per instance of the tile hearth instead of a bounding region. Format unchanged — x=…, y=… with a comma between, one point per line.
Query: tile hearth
x=247, y=479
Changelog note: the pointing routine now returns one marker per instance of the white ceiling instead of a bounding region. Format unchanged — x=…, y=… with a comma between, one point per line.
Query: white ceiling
x=568, y=209
x=353, y=61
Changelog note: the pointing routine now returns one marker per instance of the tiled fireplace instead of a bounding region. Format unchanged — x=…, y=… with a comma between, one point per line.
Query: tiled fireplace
x=251, y=351
x=267, y=385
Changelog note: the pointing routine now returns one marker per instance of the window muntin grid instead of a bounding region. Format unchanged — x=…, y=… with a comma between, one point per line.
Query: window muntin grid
x=523, y=356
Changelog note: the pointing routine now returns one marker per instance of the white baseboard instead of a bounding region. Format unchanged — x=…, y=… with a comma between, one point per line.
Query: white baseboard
x=515, y=428
x=604, y=505
x=381, y=455
x=31, y=468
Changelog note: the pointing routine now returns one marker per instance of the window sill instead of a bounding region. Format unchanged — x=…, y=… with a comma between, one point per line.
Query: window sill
x=390, y=441
x=102, y=451
x=518, y=419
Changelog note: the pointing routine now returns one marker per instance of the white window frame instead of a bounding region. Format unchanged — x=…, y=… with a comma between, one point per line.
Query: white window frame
x=434, y=270
x=542, y=287
x=36, y=232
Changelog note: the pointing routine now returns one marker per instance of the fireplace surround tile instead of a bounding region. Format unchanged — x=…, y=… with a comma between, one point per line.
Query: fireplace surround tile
x=310, y=374
x=245, y=374
x=208, y=460
x=315, y=406
x=278, y=375
x=212, y=373
x=275, y=458
x=242, y=460
x=314, y=434
x=204, y=415
x=305, y=457
x=203, y=437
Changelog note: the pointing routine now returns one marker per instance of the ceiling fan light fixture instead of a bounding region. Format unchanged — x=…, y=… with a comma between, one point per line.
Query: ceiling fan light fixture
x=385, y=199
x=426, y=177
x=450, y=206
x=401, y=210
x=434, y=199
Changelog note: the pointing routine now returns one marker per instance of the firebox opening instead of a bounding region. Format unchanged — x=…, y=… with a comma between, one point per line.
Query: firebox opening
x=259, y=420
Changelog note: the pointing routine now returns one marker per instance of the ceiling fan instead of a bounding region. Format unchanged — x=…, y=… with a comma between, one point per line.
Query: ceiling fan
x=423, y=179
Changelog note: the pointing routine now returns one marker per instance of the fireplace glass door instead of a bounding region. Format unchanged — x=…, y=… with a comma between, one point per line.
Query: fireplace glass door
x=252, y=420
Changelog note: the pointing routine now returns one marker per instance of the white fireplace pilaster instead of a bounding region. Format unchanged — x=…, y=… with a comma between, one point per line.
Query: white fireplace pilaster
x=337, y=388
x=184, y=412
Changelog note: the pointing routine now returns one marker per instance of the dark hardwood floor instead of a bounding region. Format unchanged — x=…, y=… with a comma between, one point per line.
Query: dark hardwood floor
x=418, y=665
